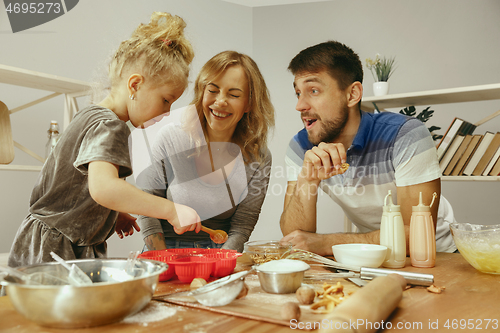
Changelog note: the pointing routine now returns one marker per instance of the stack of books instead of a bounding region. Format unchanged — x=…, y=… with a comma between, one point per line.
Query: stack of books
x=460, y=152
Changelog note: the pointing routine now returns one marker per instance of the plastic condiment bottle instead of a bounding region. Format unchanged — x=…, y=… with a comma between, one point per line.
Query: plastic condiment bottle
x=392, y=234
x=53, y=137
x=422, y=235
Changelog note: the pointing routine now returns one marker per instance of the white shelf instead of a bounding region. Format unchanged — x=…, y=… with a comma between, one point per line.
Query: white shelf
x=71, y=89
x=11, y=167
x=31, y=79
x=432, y=97
x=441, y=96
x=471, y=178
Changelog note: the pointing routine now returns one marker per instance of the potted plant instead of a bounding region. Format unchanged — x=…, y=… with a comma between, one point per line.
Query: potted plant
x=381, y=69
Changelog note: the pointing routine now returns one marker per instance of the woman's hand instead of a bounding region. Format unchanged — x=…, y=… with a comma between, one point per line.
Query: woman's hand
x=125, y=225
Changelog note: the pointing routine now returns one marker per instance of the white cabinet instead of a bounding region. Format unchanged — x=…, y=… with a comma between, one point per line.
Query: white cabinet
x=441, y=96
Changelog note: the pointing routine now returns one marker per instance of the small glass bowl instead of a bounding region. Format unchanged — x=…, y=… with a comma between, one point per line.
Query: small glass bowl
x=479, y=245
x=264, y=251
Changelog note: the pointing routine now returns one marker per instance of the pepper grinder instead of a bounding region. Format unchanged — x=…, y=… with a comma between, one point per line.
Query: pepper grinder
x=422, y=235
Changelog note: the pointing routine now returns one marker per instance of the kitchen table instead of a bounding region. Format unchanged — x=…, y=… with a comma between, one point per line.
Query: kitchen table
x=470, y=302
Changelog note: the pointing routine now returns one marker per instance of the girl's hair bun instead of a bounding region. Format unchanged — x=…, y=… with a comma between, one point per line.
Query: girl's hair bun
x=159, y=49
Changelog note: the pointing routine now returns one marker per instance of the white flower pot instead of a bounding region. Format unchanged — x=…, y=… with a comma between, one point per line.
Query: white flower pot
x=380, y=88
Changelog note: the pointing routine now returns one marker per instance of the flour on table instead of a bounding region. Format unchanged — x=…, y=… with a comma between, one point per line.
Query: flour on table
x=154, y=311
x=283, y=266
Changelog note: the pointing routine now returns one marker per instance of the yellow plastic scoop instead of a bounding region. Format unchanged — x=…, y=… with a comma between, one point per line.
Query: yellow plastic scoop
x=217, y=236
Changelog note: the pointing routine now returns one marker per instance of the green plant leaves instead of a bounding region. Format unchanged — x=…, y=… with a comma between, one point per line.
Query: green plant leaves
x=423, y=116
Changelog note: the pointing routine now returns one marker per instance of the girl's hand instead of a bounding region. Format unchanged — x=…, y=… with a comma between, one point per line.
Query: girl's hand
x=186, y=219
x=125, y=225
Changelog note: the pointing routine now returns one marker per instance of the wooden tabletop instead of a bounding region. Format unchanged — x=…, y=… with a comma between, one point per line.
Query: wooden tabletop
x=471, y=301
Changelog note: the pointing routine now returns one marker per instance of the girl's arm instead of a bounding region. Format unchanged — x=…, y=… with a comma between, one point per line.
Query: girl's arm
x=108, y=190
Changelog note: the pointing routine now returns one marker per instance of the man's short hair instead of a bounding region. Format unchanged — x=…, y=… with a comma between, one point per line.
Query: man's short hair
x=339, y=60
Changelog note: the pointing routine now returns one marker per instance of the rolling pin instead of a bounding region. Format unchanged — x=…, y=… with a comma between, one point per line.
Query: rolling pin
x=364, y=310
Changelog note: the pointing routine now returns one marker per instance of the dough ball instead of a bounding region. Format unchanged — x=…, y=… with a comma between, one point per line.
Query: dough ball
x=243, y=292
x=197, y=283
x=290, y=310
x=305, y=295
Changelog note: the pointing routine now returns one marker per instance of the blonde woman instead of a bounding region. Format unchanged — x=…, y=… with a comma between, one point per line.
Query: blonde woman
x=216, y=159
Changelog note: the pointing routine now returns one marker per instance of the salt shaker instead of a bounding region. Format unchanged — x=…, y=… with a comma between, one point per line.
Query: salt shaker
x=392, y=234
x=422, y=235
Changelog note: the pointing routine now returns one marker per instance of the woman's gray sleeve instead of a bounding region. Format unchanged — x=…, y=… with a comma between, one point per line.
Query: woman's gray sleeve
x=244, y=219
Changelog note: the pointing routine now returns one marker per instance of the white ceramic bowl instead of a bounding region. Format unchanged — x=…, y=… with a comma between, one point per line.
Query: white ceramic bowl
x=362, y=255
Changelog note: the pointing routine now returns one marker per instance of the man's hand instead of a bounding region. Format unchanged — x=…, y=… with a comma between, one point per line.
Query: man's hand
x=323, y=161
x=125, y=225
x=309, y=241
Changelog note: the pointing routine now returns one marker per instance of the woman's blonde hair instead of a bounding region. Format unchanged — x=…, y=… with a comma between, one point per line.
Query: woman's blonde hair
x=252, y=130
x=156, y=49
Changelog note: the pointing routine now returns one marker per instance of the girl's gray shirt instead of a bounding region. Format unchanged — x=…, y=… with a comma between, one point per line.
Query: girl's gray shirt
x=63, y=216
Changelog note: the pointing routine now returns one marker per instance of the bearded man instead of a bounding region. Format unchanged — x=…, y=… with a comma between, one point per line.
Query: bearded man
x=354, y=156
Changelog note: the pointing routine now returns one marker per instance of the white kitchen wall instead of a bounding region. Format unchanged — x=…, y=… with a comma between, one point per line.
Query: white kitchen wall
x=76, y=45
x=437, y=44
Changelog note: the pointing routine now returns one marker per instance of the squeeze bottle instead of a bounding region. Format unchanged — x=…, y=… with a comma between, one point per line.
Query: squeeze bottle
x=422, y=235
x=53, y=137
x=392, y=234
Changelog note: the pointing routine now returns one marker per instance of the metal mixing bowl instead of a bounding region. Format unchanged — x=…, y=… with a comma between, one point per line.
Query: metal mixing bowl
x=106, y=301
x=479, y=245
x=282, y=281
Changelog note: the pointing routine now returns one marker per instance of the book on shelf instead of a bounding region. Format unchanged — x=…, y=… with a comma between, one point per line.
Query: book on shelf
x=488, y=154
x=481, y=148
x=450, y=152
x=457, y=126
x=493, y=160
x=457, y=153
x=495, y=171
x=471, y=148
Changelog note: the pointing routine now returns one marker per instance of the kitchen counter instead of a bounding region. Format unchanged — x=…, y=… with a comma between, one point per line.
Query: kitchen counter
x=470, y=302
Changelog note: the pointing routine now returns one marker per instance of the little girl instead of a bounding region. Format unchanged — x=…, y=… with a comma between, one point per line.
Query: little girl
x=81, y=196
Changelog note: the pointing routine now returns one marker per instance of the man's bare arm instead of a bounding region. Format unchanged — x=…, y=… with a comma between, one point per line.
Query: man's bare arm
x=299, y=212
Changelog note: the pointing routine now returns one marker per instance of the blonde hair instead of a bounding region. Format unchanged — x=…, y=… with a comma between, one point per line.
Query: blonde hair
x=156, y=48
x=252, y=130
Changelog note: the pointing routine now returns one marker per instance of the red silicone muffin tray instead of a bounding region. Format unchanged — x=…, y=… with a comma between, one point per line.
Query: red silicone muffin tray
x=190, y=263
x=162, y=256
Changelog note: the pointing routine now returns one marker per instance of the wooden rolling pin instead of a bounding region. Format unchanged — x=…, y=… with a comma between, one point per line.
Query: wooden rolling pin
x=367, y=307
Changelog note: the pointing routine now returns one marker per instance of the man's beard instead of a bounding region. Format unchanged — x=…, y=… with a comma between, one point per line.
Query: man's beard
x=331, y=128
